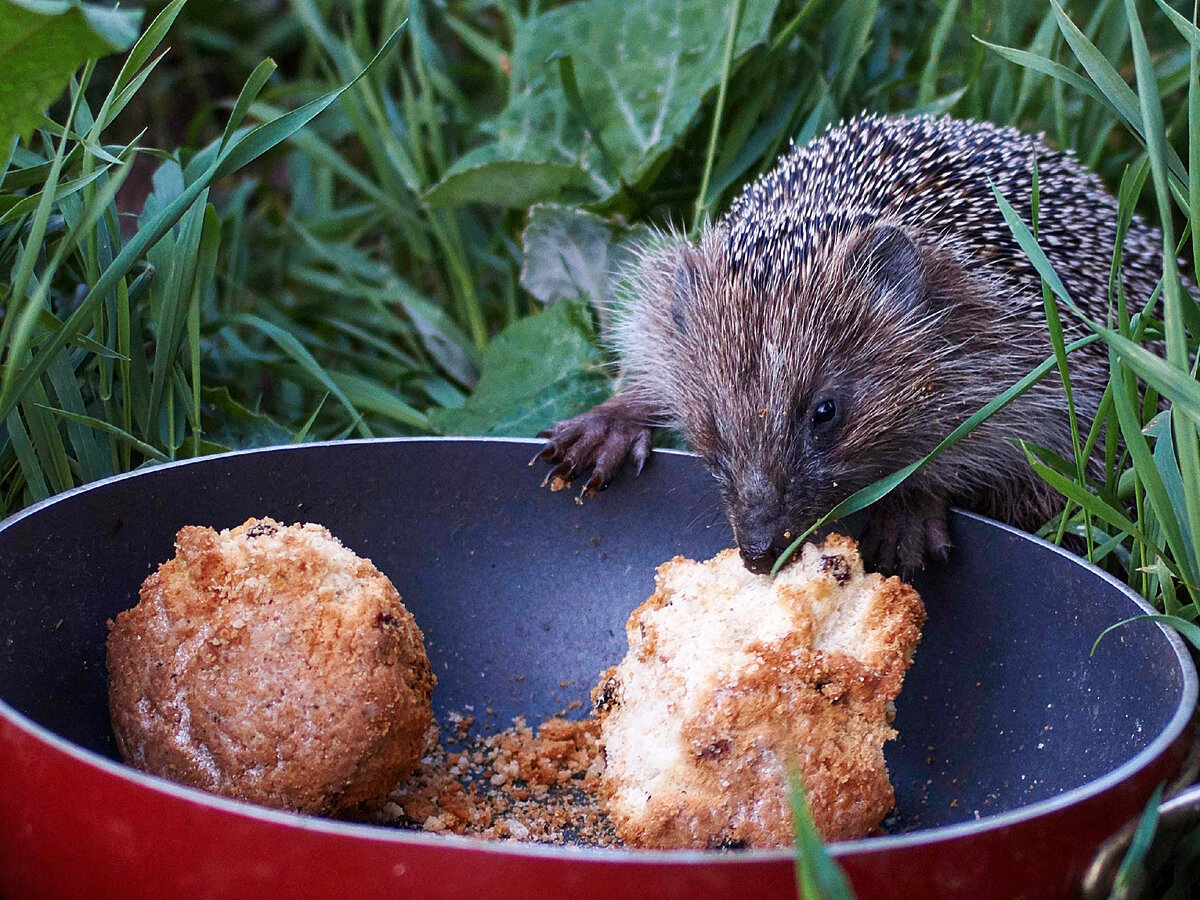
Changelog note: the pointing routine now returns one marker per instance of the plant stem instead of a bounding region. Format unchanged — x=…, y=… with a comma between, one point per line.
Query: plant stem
x=726, y=67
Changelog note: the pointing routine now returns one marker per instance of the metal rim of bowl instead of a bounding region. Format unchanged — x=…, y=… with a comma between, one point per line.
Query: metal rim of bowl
x=885, y=843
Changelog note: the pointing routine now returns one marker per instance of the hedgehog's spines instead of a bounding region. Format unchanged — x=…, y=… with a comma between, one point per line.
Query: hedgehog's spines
x=926, y=172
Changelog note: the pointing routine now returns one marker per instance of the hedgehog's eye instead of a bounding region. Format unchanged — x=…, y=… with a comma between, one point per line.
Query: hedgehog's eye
x=825, y=411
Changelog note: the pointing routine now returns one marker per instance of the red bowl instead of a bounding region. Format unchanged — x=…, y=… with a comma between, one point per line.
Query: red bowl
x=1019, y=751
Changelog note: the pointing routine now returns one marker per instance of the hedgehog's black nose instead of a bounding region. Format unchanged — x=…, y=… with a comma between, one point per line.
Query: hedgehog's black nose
x=759, y=558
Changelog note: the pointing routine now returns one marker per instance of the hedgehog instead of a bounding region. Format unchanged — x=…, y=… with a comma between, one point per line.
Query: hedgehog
x=851, y=308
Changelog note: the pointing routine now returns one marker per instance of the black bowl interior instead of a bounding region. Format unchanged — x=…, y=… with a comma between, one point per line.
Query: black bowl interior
x=523, y=596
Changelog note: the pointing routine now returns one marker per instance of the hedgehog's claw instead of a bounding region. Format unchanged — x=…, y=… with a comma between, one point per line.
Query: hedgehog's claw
x=595, y=483
x=640, y=451
x=937, y=539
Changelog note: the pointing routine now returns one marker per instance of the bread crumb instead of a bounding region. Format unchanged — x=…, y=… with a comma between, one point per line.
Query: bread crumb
x=520, y=784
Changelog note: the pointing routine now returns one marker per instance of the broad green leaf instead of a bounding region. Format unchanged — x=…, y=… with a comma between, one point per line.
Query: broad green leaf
x=642, y=67
x=490, y=175
x=572, y=254
x=42, y=42
x=538, y=370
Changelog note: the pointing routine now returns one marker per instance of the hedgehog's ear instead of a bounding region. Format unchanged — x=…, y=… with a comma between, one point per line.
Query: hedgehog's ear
x=888, y=261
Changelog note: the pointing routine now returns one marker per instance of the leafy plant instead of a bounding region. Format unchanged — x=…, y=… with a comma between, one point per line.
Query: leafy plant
x=42, y=43
x=535, y=372
x=80, y=397
x=637, y=74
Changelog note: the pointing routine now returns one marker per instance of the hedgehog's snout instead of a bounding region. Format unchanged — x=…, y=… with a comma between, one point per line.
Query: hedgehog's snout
x=760, y=559
x=760, y=548
x=758, y=524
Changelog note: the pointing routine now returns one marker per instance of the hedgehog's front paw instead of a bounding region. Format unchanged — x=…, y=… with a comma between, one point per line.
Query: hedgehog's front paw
x=599, y=439
x=904, y=534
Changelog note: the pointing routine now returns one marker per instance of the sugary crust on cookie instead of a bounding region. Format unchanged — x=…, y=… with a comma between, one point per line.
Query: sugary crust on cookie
x=734, y=679
x=271, y=664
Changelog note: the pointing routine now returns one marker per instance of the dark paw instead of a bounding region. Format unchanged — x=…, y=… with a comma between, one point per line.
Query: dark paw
x=598, y=440
x=900, y=540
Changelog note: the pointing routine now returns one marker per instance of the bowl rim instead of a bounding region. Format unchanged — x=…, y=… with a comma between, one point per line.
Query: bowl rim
x=418, y=839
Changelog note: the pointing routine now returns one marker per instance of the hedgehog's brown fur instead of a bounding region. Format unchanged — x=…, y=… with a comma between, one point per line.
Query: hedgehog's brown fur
x=873, y=266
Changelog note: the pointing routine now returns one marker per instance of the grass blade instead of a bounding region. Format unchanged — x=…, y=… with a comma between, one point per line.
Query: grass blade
x=141, y=51
x=927, y=88
x=241, y=150
x=150, y=452
x=1120, y=96
x=249, y=93
x=302, y=433
x=735, y=20
x=238, y=152
x=1095, y=506
x=1189, y=630
x=818, y=877
x=1186, y=442
x=31, y=469
x=298, y=352
x=1133, y=865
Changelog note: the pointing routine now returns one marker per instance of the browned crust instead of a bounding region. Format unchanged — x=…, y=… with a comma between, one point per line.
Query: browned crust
x=272, y=665
x=826, y=714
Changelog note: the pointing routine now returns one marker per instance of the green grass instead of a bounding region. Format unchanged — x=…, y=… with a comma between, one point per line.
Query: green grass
x=350, y=279
x=202, y=249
